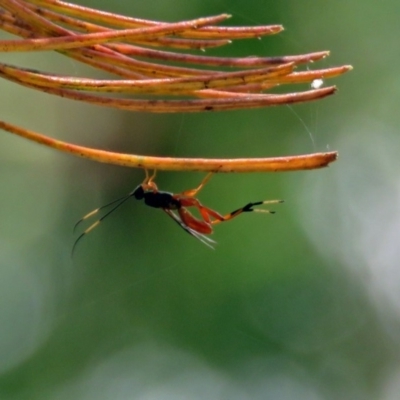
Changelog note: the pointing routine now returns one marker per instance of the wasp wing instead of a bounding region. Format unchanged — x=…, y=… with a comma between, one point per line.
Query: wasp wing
x=204, y=239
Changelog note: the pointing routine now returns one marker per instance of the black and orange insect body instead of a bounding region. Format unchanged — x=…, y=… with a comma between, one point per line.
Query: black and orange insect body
x=176, y=206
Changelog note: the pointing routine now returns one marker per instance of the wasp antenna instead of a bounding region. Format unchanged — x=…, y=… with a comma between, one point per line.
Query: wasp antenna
x=85, y=217
x=82, y=235
x=122, y=200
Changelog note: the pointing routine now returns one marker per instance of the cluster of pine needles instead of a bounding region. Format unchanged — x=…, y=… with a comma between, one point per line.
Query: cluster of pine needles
x=159, y=67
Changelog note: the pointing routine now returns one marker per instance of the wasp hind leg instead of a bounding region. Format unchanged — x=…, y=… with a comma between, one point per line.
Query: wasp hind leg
x=247, y=208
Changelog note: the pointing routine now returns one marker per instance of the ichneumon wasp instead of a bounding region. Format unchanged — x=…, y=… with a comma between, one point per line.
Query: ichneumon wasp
x=176, y=206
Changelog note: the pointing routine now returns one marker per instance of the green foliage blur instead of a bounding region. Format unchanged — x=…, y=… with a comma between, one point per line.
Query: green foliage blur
x=303, y=304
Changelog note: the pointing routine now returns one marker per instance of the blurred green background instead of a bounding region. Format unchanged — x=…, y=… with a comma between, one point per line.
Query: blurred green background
x=301, y=305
